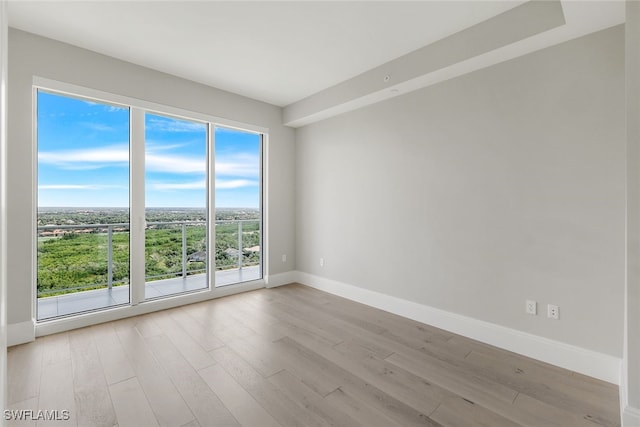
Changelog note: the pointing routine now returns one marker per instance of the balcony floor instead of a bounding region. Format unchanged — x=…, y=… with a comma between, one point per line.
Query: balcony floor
x=63, y=305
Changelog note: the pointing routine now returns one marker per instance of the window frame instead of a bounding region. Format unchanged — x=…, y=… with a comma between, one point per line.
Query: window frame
x=138, y=304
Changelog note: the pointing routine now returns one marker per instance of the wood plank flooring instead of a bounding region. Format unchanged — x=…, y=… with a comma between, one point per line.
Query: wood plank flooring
x=293, y=356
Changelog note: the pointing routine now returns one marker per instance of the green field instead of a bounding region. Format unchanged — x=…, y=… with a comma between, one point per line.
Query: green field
x=77, y=261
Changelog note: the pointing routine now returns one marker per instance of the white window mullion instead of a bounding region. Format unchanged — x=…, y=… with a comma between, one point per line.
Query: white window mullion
x=263, y=254
x=137, y=207
x=211, y=208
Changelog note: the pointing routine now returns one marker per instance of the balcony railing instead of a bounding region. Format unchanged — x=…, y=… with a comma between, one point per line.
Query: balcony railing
x=224, y=255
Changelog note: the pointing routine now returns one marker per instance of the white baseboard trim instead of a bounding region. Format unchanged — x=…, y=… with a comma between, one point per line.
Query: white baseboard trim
x=577, y=359
x=274, y=280
x=630, y=417
x=20, y=333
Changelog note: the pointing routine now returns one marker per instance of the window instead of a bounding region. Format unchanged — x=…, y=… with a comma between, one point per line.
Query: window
x=83, y=205
x=130, y=199
x=176, y=205
x=238, y=206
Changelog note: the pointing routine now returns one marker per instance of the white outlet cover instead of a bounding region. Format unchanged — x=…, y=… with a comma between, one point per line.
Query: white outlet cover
x=531, y=307
x=553, y=312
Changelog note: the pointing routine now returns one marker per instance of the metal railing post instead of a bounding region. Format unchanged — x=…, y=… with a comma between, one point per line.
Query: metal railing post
x=184, y=250
x=240, y=245
x=109, y=256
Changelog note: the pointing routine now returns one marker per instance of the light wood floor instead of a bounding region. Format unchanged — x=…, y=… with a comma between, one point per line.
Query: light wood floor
x=293, y=356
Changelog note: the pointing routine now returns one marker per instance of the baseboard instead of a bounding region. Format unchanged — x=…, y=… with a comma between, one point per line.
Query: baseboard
x=577, y=359
x=623, y=387
x=630, y=417
x=20, y=333
x=274, y=280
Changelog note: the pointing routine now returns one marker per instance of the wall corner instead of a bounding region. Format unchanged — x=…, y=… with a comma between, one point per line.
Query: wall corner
x=20, y=333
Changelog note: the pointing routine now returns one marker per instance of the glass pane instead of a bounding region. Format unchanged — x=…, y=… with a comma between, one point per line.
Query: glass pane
x=238, y=211
x=176, y=205
x=83, y=205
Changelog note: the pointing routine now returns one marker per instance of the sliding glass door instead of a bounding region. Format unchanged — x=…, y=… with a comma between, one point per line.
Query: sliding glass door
x=238, y=206
x=175, y=205
x=83, y=205
x=135, y=205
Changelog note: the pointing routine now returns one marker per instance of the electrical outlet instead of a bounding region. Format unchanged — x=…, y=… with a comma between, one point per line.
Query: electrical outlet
x=553, y=312
x=284, y=258
x=531, y=307
x=321, y=262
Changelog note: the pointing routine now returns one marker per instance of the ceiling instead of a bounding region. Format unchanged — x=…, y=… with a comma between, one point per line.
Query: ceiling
x=277, y=52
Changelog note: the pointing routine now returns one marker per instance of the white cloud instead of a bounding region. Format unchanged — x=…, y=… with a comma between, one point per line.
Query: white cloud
x=222, y=184
x=244, y=166
x=98, y=127
x=153, y=146
x=106, y=107
x=165, y=186
x=239, y=165
x=118, y=155
x=92, y=158
x=75, y=187
x=174, y=164
x=174, y=125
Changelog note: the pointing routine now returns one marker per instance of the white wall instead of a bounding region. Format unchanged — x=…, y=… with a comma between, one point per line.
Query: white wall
x=480, y=192
x=630, y=388
x=31, y=55
x=3, y=231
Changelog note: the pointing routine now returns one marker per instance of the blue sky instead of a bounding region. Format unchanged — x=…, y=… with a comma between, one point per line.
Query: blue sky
x=83, y=158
